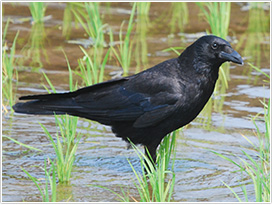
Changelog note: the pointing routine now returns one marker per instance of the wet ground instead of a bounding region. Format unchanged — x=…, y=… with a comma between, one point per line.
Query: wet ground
x=101, y=158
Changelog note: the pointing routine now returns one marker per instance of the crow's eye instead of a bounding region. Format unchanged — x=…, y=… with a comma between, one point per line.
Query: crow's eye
x=214, y=46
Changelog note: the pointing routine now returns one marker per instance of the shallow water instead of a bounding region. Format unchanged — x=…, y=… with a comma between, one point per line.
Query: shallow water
x=101, y=158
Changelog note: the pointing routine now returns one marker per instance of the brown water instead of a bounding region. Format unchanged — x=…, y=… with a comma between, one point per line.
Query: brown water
x=101, y=158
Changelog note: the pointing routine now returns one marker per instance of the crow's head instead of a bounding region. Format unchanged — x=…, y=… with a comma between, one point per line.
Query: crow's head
x=214, y=50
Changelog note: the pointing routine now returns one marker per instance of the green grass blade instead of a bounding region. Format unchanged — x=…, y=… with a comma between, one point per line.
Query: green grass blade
x=235, y=194
x=35, y=180
x=22, y=144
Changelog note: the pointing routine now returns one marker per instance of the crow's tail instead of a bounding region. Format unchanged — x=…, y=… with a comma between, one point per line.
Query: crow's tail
x=46, y=104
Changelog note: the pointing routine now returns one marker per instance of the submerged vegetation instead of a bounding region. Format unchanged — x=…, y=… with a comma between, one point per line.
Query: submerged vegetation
x=127, y=47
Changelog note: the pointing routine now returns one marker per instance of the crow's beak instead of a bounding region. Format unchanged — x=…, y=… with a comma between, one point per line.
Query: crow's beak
x=233, y=57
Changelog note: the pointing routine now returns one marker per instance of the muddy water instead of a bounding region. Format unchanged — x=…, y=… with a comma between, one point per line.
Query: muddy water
x=101, y=158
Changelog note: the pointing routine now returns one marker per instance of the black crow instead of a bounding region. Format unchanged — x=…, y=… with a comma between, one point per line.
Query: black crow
x=146, y=106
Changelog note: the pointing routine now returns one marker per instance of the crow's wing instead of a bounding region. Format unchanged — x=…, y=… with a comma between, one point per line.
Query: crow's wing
x=113, y=103
x=144, y=100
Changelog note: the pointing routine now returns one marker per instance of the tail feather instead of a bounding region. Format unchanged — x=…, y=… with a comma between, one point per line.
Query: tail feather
x=46, y=106
x=47, y=96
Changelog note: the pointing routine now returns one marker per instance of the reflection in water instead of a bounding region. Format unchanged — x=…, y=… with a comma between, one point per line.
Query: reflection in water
x=71, y=9
x=95, y=27
x=64, y=192
x=37, y=10
x=88, y=15
x=256, y=37
x=123, y=52
x=142, y=26
x=34, y=50
x=179, y=16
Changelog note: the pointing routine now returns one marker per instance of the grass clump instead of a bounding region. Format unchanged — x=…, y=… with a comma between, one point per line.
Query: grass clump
x=67, y=142
x=155, y=183
x=37, y=10
x=152, y=186
x=65, y=149
x=143, y=13
x=124, y=50
x=69, y=18
x=91, y=70
x=257, y=169
x=9, y=72
x=34, y=50
x=217, y=15
x=91, y=21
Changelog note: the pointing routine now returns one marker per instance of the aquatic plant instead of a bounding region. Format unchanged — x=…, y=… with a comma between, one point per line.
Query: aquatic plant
x=52, y=182
x=9, y=72
x=217, y=15
x=69, y=17
x=155, y=183
x=22, y=144
x=65, y=149
x=257, y=169
x=34, y=50
x=92, y=22
x=37, y=10
x=124, y=50
x=91, y=70
x=152, y=185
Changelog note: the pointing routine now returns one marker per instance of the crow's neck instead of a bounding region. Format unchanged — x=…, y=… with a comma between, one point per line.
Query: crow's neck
x=193, y=62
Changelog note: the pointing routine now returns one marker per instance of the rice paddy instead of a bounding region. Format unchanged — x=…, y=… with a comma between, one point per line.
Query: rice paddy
x=63, y=158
